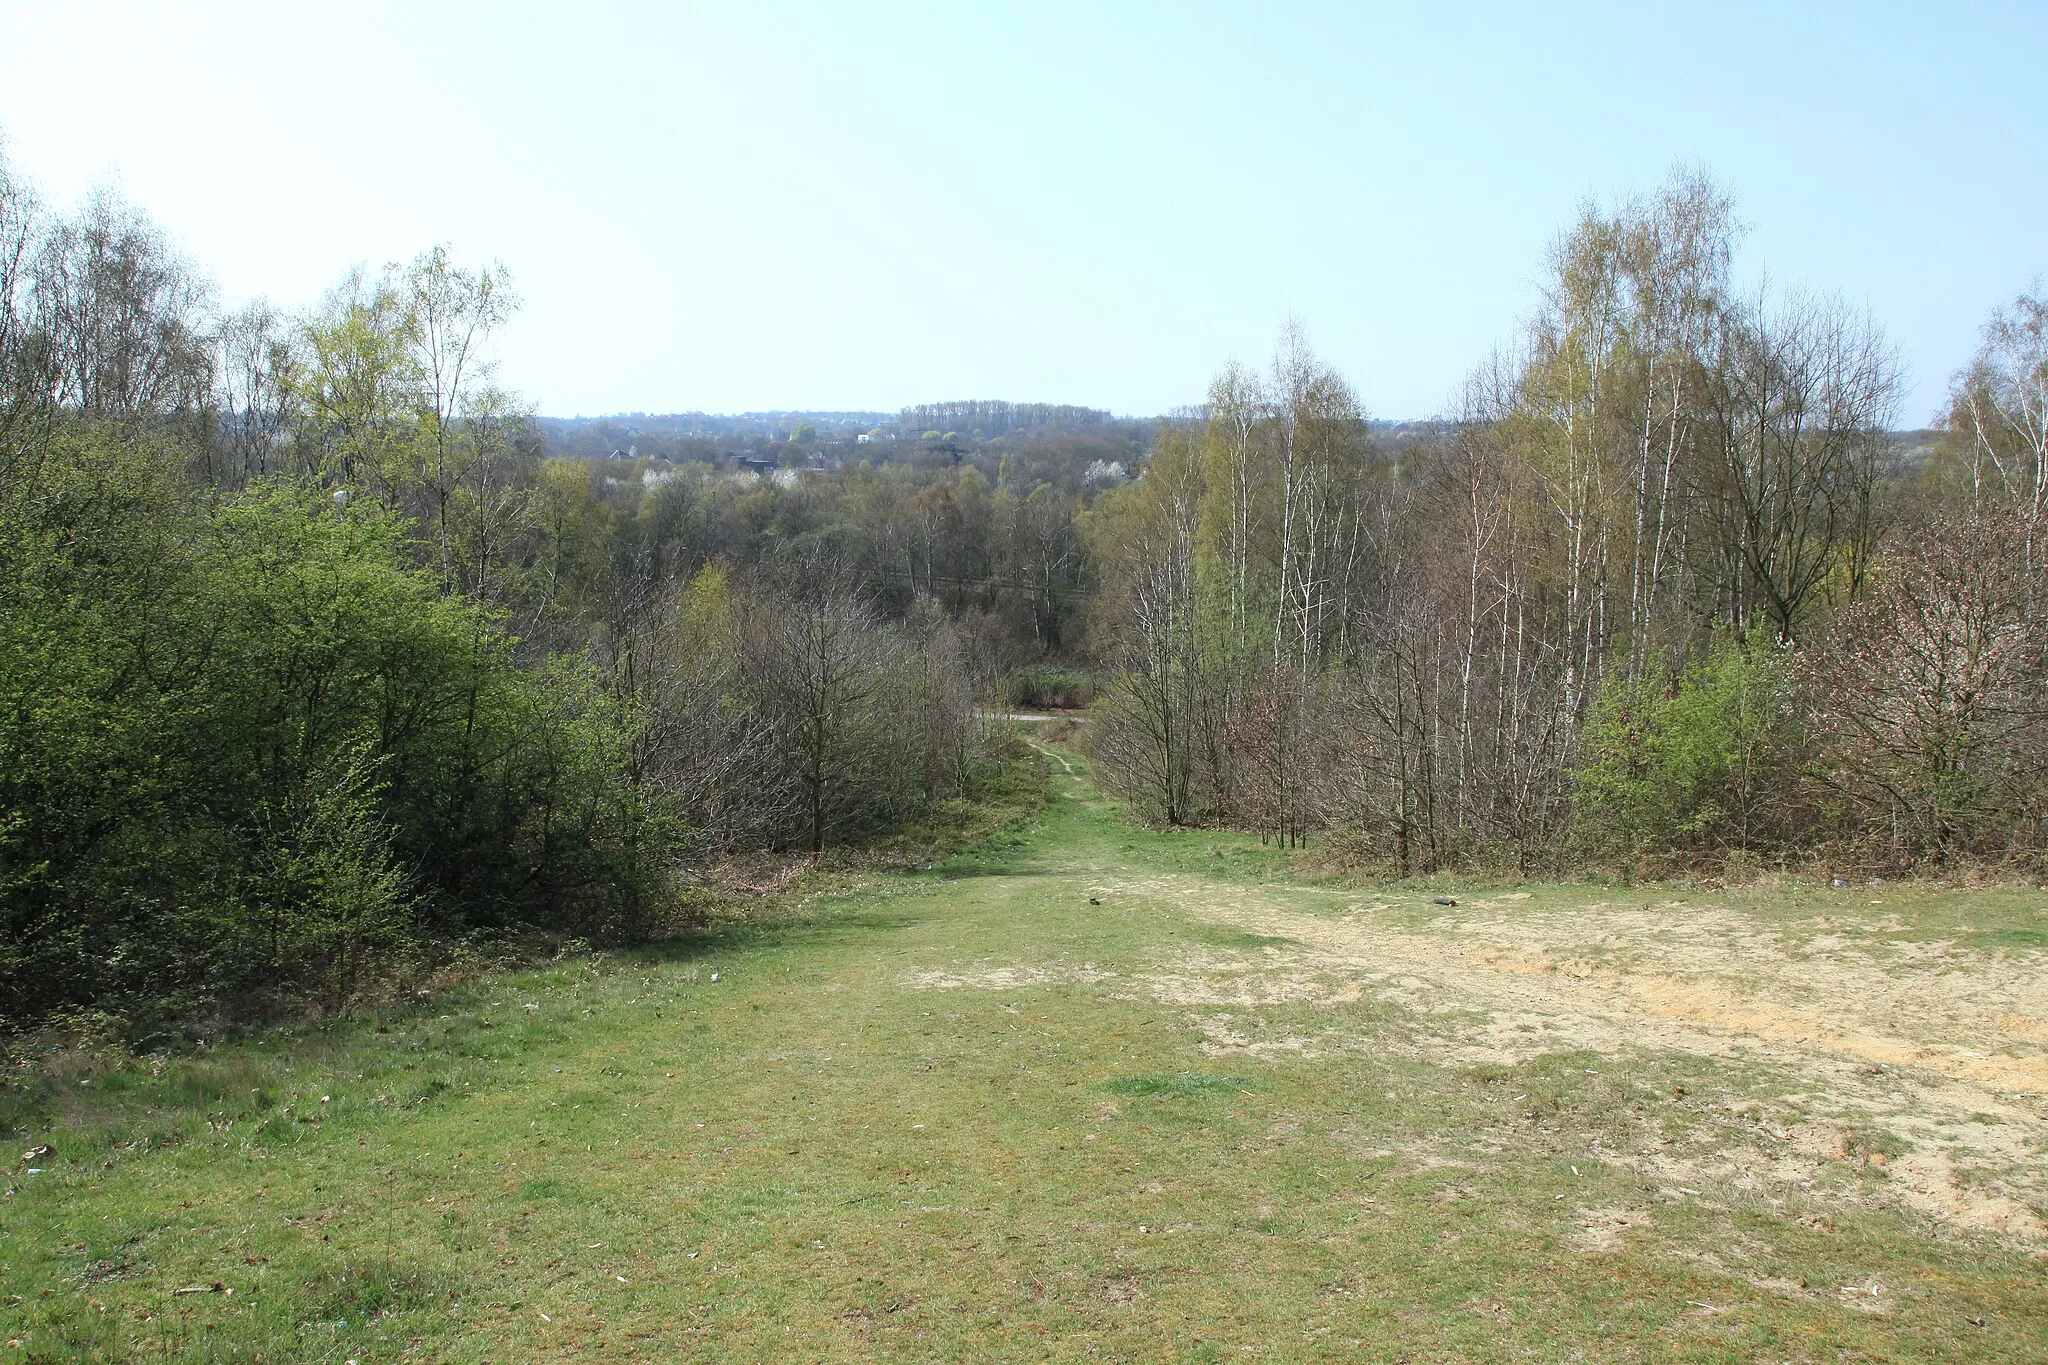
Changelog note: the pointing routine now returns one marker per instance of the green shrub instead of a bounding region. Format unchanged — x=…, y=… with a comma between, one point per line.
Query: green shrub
x=1703, y=761
x=245, y=747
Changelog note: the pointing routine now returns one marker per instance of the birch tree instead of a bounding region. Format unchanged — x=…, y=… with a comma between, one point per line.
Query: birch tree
x=1998, y=409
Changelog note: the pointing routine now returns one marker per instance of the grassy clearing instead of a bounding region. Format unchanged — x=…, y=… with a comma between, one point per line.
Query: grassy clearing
x=1078, y=1091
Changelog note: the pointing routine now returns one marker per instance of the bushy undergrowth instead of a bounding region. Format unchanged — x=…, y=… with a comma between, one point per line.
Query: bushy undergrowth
x=1700, y=763
x=248, y=747
x=255, y=756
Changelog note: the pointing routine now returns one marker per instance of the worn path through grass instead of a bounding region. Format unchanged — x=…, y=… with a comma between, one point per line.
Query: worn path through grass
x=1087, y=1091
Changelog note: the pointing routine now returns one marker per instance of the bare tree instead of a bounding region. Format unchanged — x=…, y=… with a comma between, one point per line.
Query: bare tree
x=812, y=666
x=123, y=313
x=1931, y=694
x=1676, y=252
x=1151, y=728
x=254, y=373
x=1801, y=401
x=452, y=313
x=677, y=662
x=1999, y=405
x=27, y=377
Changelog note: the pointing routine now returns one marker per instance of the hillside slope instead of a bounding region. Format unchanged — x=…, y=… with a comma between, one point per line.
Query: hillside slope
x=1089, y=1091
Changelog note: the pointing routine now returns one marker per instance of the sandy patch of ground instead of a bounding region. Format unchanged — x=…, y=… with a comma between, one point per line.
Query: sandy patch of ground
x=1930, y=1046
x=1006, y=978
x=1224, y=1033
x=1939, y=1048
x=1600, y=1230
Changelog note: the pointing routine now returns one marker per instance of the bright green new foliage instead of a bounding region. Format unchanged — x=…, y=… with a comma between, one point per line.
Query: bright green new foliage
x=1698, y=762
x=246, y=745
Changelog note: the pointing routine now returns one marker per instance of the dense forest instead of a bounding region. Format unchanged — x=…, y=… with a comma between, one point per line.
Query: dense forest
x=316, y=643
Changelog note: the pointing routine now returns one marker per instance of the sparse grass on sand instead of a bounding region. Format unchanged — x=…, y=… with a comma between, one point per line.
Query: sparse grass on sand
x=1088, y=1091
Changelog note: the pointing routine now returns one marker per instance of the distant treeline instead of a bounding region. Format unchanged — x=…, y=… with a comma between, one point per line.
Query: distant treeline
x=907, y=437
x=692, y=433
x=993, y=418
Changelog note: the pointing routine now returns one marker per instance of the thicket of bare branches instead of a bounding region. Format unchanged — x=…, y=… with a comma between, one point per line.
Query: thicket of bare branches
x=1658, y=589
x=1928, y=697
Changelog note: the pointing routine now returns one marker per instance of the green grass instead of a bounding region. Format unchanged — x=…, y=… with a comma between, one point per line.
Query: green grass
x=1181, y=1086
x=927, y=1118
x=1223, y=936
x=2008, y=938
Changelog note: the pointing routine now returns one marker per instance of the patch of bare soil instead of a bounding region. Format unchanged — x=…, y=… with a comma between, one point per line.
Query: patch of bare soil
x=1601, y=1229
x=1940, y=1052
x=1006, y=978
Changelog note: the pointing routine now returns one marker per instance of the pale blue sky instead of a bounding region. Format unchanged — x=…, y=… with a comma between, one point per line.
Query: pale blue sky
x=741, y=206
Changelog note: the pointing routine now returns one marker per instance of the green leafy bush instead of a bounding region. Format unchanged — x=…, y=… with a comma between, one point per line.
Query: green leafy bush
x=1705, y=761
x=245, y=747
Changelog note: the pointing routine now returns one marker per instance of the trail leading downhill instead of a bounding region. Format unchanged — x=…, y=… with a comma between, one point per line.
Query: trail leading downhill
x=1088, y=1091
x=1944, y=1047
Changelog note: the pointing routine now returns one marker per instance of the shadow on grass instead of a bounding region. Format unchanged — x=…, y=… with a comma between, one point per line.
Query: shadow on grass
x=327, y=1306
x=692, y=945
x=1006, y=868
x=2008, y=938
x=1182, y=1086
x=1225, y=937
